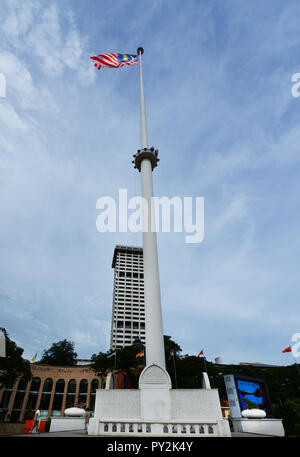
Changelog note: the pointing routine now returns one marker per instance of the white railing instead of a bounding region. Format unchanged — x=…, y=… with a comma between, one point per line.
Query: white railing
x=119, y=428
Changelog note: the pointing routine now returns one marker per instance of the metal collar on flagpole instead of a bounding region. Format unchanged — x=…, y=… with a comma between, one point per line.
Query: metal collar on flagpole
x=140, y=51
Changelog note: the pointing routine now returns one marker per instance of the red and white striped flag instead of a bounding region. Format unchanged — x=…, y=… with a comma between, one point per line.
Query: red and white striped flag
x=115, y=60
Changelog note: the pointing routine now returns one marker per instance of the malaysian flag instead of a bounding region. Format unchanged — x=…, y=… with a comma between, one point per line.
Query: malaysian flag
x=115, y=60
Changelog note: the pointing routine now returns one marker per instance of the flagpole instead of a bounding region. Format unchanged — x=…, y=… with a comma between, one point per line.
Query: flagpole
x=297, y=366
x=145, y=161
x=175, y=375
x=142, y=96
x=205, y=363
x=115, y=370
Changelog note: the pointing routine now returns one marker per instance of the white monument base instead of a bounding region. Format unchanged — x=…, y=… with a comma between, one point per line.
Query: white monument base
x=64, y=424
x=155, y=409
x=272, y=427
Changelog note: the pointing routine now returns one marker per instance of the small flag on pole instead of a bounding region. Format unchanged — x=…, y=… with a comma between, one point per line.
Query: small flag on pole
x=200, y=353
x=34, y=357
x=172, y=354
x=140, y=354
x=115, y=60
x=288, y=349
x=111, y=355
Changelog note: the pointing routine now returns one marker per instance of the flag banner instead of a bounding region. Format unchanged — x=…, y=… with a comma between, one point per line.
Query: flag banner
x=115, y=60
x=111, y=355
x=288, y=349
x=34, y=357
x=140, y=354
x=200, y=353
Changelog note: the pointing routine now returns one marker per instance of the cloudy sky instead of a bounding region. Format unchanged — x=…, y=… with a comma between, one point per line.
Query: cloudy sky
x=219, y=109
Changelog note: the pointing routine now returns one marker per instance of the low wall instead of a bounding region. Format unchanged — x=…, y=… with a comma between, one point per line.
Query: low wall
x=272, y=427
x=60, y=424
x=7, y=428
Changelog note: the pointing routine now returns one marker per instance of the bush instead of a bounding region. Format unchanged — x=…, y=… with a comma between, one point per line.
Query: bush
x=289, y=412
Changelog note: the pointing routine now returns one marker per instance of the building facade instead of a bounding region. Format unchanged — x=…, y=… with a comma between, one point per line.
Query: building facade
x=52, y=388
x=55, y=388
x=128, y=309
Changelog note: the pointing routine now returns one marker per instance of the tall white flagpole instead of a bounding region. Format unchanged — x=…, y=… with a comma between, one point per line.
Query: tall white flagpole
x=145, y=161
x=143, y=110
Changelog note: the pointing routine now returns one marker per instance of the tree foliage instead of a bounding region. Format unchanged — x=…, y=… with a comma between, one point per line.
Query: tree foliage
x=124, y=360
x=60, y=353
x=13, y=365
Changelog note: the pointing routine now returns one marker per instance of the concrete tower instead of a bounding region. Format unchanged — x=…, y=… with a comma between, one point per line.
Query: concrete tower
x=128, y=310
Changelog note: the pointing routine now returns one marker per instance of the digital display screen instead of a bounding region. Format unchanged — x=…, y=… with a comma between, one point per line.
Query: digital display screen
x=253, y=394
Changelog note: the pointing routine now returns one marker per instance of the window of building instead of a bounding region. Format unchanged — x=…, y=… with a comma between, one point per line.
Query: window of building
x=35, y=384
x=33, y=395
x=18, y=402
x=83, y=388
x=71, y=393
x=58, y=397
x=5, y=403
x=45, y=398
x=22, y=384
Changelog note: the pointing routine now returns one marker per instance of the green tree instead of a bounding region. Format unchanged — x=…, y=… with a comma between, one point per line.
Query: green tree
x=13, y=365
x=171, y=348
x=61, y=353
x=125, y=360
x=289, y=412
x=189, y=372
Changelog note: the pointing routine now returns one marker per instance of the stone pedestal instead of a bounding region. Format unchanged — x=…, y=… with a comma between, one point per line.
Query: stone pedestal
x=155, y=409
x=272, y=427
x=63, y=424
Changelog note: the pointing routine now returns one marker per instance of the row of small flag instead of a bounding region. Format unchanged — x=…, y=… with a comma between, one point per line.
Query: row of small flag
x=142, y=353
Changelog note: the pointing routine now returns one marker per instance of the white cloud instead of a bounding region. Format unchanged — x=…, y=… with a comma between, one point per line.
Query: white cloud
x=10, y=118
x=50, y=36
x=21, y=89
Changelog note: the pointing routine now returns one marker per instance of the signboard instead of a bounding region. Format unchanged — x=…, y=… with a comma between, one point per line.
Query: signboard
x=244, y=392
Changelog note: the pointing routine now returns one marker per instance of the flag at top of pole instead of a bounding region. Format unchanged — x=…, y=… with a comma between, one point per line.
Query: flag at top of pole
x=34, y=357
x=115, y=60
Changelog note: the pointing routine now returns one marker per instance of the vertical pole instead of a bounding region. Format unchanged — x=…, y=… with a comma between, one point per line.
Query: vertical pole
x=175, y=374
x=155, y=352
x=205, y=364
x=297, y=366
x=143, y=110
x=115, y=370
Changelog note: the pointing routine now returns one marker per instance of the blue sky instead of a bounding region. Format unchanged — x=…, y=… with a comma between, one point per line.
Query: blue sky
x=219, y=109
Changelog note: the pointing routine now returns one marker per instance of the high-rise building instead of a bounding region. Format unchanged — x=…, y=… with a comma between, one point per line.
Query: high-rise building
x=128, y=310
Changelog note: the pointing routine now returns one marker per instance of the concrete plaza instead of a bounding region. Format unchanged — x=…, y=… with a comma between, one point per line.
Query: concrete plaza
x=83, y=434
